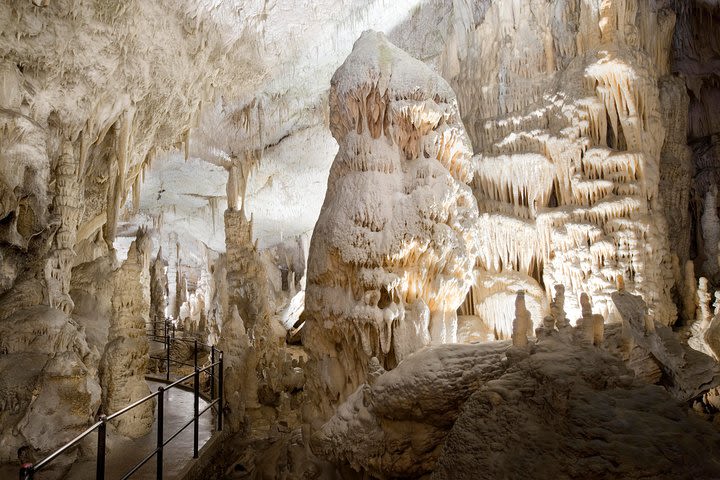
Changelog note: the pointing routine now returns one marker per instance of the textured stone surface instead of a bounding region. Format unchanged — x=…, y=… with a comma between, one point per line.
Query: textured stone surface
x=392, y=253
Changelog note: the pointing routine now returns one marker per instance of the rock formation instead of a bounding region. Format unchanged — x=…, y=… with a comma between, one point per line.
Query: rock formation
x=522, y=322
x=124, y=363
x=567, y=130
x=573, y=411
x=158, y=293
x=66, y=204
x=703, y=312
x=594, y=167
x=442, y=411
x=395, y=425
x=249, y=336
x=392, y=253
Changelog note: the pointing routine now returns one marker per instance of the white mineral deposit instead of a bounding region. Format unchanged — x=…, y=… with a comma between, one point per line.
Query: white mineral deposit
x=360, y=239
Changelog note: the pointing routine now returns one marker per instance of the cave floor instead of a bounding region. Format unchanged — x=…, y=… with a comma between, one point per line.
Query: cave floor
x=123, y=453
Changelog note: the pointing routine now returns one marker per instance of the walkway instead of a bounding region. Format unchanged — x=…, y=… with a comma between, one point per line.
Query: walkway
x=123, y=454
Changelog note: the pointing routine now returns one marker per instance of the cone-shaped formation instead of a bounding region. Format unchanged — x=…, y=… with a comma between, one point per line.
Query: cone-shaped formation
x=392, y=253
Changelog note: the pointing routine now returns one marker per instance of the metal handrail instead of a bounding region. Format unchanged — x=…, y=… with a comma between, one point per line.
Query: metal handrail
x=27, y=471
x=67, y=446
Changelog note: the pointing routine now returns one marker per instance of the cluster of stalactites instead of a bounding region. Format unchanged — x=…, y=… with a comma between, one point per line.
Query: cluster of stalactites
x=418, y=125
x=239, y=172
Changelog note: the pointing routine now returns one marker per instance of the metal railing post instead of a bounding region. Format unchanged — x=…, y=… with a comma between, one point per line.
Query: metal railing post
x=160, y=420
x=167, y=356
x=220, y=394
x=196, y=412
x=26, y=472
x=100, y=463
x=195, y=356
x=212, y=372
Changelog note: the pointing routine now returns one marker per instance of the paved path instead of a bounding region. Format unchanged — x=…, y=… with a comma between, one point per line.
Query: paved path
x=122, y=453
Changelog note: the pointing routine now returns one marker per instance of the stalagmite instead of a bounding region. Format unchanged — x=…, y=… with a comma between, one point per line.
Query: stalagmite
x=586, y=324
x=240, y=363
x=67, y=206
x=557, y=308
x=126, y=356
x=521, y=322
x=248, y=336
x=702, y=299
x=393, y=250
x=158, y=293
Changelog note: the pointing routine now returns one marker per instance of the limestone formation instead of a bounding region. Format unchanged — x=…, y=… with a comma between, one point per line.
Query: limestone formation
x=67, y=206
x=651, y=349
x=392, y=253
x=522, y=322
x=590, y=327
x=567, y=129
x=575, y=408
x=395, y=427
x=126, y=355
x=703, y=312
x=566, y=149
x=557, y=308
x=249, y=336
x=441, y=410
x=158, y=294
x=240, y=364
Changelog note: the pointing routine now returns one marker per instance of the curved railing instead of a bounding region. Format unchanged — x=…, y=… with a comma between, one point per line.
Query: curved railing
x=27, y=471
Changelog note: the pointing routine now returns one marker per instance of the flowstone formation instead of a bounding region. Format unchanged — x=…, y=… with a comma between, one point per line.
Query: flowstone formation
x=392, y=253
x=125, y=361
x=45, y=359
x=562, y=102
x=574, y=402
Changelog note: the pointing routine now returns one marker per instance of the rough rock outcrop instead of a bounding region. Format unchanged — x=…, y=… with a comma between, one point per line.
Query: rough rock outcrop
x=561, y=406
x=395, y=425
x=685, y=372
x=392, y=253
x=573, y=411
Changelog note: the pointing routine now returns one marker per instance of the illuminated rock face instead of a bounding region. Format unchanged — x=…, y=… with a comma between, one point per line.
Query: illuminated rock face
x=568, y=134
x=442, y=411
x=393, y=250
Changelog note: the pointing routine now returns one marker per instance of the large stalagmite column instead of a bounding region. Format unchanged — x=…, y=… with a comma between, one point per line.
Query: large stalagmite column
x=125, y=360
x=250, y=347
x=392, y=252
x=158, y=293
